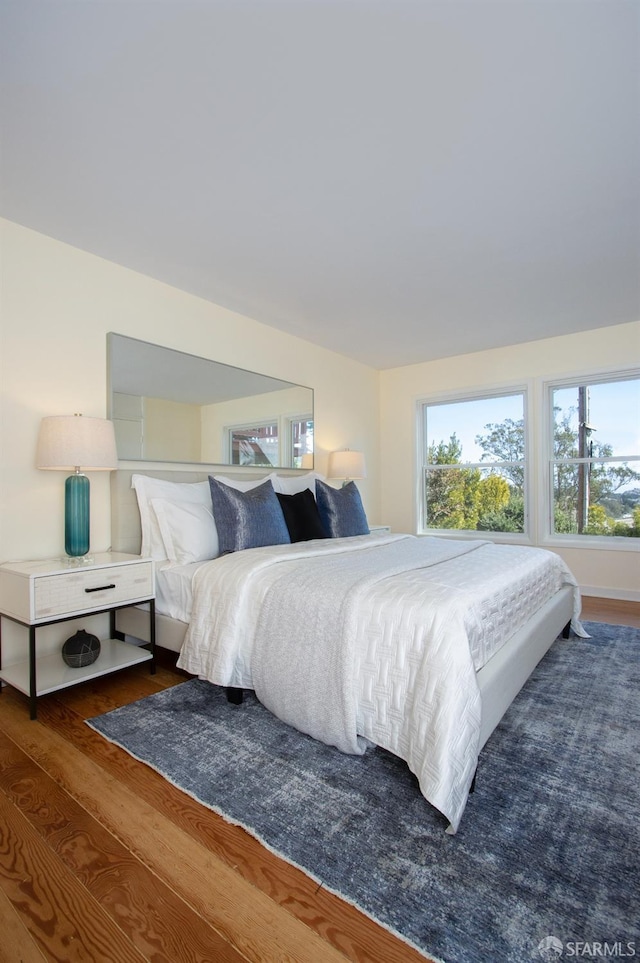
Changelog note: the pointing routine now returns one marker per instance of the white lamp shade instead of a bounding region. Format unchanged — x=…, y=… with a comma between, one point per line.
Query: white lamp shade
x=67, y=442
x=346, y=464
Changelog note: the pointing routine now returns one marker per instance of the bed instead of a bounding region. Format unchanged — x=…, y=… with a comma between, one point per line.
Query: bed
x=418, y=645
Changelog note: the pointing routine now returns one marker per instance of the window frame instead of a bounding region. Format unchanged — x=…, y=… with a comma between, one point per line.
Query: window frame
x=548, y=536
x=230, y=430
x=285, y=447
x=524, y=389
x=289, y=453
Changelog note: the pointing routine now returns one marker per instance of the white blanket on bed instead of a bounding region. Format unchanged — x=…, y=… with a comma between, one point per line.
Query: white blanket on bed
x=303, y=667
x=291, y=622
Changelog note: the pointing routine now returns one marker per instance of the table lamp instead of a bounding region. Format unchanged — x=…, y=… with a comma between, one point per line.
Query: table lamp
x=346, y=465
x=77, y=444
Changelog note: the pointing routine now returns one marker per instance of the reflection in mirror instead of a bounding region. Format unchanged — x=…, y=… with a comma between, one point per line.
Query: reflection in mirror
x=169, y=406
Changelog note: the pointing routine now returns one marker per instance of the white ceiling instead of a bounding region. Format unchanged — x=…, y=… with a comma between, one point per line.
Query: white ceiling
x=398, y=180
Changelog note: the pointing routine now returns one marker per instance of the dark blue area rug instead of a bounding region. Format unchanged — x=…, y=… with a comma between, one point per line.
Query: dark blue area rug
x=549, y=844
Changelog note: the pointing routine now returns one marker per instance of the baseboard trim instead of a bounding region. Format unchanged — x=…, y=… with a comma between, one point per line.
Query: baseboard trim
x=619, y=595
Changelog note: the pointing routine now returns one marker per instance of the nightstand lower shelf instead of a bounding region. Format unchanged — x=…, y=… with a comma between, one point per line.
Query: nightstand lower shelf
x=52, y=673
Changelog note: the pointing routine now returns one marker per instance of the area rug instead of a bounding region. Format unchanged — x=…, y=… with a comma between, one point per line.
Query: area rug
x=547, y=856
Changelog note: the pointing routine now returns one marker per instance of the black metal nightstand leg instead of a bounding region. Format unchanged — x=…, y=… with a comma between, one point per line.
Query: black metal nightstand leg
x=152, y=635
x=33, y=698
x=113, y=631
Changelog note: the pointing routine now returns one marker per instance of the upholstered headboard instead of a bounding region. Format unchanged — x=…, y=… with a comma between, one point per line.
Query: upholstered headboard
x=126, y=534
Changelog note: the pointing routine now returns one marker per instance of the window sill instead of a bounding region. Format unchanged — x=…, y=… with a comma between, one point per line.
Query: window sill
x=598, y=542
x=504, y=538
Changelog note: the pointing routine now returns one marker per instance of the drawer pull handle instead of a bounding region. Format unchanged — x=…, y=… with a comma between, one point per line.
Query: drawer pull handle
x=101, y=588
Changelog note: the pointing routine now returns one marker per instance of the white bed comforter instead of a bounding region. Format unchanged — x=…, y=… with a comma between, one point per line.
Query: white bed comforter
x=311, y=626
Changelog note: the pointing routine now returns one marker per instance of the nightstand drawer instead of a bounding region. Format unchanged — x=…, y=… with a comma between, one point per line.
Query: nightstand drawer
x=80, y=591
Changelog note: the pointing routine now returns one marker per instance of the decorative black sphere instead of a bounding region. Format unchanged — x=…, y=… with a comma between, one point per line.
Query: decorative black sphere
x=81, y=649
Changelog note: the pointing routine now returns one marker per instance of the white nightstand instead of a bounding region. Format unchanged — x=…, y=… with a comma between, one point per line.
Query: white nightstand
x=379, y=529
x=44, y=592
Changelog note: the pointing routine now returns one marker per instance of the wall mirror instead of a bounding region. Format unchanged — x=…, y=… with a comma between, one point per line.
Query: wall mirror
x=169, y=406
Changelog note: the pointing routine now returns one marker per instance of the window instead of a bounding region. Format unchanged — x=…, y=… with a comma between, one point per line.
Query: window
x=281, y=442
x=594, y=472
x=254, y=444
x=301, y=442
x=474, y=467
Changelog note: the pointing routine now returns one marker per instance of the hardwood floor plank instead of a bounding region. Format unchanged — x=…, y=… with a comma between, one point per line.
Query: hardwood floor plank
x=613, y=611
x=134, y=683
x=17, y=945
x=64, y=920
x=153, y=918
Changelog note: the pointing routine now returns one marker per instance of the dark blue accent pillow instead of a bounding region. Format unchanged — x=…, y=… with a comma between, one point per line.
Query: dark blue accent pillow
x=247, y=519
x=341, y=510
x=302, y=516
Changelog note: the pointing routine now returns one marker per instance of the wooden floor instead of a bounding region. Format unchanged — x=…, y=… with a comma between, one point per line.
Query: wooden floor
x=610, y=610
x=102, y=860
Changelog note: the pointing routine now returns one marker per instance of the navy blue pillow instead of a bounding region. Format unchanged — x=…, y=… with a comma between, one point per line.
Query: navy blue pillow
x=247, y=519
x=341, y=510
x=302, y=516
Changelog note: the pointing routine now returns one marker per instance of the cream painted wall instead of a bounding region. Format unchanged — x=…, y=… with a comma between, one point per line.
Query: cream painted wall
x=57, y=305
x=611, y=573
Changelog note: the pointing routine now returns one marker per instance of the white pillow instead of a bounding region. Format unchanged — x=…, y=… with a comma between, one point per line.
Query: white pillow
x=147, y=488
x=245, y=486
x=188, y=530
x=293, y=484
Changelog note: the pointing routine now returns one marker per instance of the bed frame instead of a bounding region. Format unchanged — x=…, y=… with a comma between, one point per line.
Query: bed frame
x=499, y=680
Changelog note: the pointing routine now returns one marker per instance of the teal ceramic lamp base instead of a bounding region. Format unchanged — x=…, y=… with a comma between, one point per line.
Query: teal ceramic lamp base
x=76, y=515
